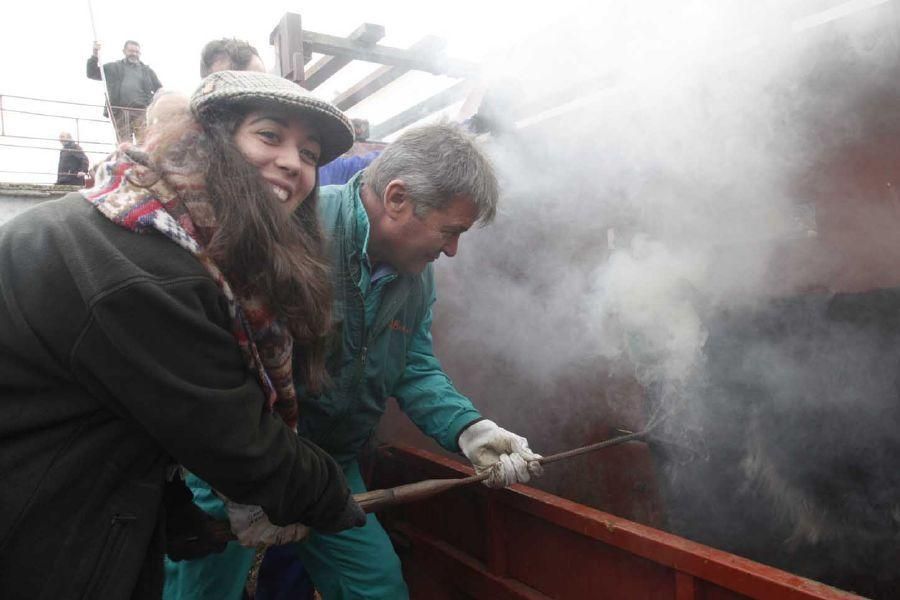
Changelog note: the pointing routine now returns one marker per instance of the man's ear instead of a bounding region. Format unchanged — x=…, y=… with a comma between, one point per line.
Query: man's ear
x=396, y=199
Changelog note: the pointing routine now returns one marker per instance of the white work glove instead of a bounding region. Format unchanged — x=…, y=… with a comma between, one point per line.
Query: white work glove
x=252, y=527
x=505, y=454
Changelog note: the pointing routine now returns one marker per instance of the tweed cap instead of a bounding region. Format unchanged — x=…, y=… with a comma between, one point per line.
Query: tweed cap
x=250, y=87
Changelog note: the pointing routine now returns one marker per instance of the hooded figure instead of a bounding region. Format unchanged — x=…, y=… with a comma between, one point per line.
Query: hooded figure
x=73, y=162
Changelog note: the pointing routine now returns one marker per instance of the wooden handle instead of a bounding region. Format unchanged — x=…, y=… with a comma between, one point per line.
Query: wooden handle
x=375, y=500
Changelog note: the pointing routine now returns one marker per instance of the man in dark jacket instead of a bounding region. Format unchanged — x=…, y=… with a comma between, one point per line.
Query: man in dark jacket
x=73, y=162
x=130, y=85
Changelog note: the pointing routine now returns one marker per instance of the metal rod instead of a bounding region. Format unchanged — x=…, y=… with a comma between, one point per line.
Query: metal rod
x=28, y=173
x=53, y=101
x=46, y=139
x=109, y=107
x=599, y=445
x=37, y=114
x=375, y=500
x=24, y=147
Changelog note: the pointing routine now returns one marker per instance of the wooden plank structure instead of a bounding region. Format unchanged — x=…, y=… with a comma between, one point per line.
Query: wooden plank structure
x=294, y=47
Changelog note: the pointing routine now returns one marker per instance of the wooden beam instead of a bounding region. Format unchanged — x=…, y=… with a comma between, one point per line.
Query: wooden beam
x=367, y=34
x=287, y=37
x=409, y=116
x=385, y=55
x=381, y=77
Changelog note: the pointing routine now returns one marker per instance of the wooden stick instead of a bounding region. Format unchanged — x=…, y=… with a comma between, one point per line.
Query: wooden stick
x=375, y=500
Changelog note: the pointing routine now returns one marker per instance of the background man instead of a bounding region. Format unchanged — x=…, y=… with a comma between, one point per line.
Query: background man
x=226, y=54
x=130, y=85
x=229, y=54
x=73, y=162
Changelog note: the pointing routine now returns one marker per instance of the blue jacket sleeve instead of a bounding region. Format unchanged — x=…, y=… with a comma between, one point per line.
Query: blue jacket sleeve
x=427, y=395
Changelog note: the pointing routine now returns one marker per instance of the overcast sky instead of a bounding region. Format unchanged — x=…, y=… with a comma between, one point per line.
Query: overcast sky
x=44, y=46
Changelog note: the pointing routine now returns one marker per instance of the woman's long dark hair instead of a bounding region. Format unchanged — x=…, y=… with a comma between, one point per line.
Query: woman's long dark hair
x=261, y=251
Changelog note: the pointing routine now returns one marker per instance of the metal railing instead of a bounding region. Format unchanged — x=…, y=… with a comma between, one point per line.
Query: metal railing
x=18, y=110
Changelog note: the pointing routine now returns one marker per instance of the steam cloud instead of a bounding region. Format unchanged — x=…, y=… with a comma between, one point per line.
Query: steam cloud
x=645, y=220
x=617, y=212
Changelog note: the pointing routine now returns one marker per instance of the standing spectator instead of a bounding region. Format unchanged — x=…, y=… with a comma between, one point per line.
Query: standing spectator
x=73, y=162
x=130, y=85
x=229, y=54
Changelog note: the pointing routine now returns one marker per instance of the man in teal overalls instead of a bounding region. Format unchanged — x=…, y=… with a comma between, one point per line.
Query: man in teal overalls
x=383, y=229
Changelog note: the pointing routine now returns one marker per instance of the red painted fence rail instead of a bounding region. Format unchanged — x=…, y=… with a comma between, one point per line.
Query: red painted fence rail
x=522, y=543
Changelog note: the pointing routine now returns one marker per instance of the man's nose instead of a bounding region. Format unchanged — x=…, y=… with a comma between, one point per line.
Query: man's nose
x=451, y=247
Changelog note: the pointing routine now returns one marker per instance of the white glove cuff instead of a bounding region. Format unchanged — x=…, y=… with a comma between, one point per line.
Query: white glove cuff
x=475, y=435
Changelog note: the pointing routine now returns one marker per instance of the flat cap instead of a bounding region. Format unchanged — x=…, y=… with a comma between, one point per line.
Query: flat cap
x=224, y=88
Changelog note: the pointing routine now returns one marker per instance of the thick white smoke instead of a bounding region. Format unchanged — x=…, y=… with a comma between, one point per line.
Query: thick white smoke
x=657, y=158
x=617, y=208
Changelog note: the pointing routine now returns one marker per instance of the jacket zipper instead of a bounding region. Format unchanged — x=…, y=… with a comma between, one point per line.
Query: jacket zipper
x=363, y=342
x=109, y=553
x=362, y=360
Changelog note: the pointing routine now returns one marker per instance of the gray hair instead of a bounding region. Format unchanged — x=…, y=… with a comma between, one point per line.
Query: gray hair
x=437, y=163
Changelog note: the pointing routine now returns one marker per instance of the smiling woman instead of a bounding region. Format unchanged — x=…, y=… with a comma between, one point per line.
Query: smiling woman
x=123, y=355
x=285, y=150
x=257, y=140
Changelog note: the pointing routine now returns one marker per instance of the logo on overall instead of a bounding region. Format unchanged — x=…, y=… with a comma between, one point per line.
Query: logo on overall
x=396, y=325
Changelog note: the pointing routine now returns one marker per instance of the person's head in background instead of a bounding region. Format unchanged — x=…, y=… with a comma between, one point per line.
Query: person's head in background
x=64, y=137
x=226, y=54
x=132, y=51
x=360, y=129
x=229, y=54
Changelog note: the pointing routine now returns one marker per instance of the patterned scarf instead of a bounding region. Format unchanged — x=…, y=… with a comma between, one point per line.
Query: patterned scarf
x=177, y=206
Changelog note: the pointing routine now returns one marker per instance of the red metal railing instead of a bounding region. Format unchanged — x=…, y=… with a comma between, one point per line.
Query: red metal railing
x=526, y=544
x=13, y=108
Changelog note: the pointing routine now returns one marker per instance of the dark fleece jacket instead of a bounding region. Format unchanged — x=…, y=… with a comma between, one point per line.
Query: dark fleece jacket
x=116, y=360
